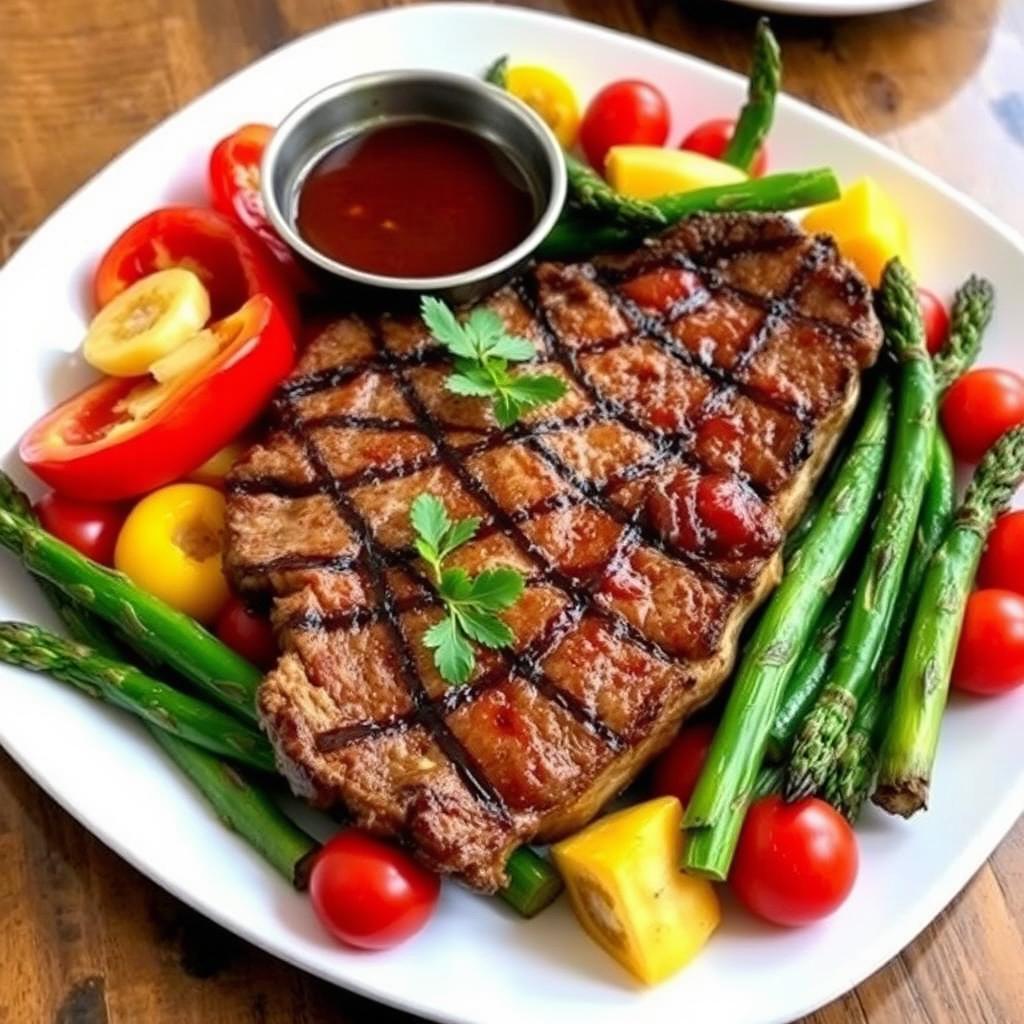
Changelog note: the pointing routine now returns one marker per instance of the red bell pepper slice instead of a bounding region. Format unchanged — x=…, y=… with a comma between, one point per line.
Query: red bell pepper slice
x=125, y=436
x=229, y=259
x=235, y=192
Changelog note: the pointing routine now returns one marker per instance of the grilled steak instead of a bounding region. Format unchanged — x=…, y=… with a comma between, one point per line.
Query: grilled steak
x=710, y=373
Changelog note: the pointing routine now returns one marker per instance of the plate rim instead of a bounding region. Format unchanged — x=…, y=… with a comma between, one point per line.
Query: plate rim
x=970, y=857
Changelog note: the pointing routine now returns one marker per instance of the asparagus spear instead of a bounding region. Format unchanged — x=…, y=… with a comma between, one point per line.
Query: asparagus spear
x=756, y=117
x=243, y=808
x=824, y=731
x=850, y=783
x=808, y=677
x=936, y=515
x=126, y=687
x=908, y=751
x=155, y=628
x=972, y=310
x=533, y=882
x=590, y=193
x=738, y=748
x=576, y=235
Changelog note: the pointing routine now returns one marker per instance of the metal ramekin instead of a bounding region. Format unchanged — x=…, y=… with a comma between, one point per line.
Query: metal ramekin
x=351, y=107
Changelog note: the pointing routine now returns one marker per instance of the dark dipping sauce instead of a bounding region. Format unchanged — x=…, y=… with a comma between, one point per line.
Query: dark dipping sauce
x=417, y=199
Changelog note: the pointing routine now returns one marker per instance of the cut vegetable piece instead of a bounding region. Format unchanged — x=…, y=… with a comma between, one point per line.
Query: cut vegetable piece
x=647, y=172
x=550, y=95
x=868, y=227
x=146, y=322
x=125, y=436
x=623, y=877
x=188, y=357
x=170, y=546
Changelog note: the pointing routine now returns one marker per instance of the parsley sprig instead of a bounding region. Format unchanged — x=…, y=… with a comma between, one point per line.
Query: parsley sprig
x=483, y=350
x=471, y=602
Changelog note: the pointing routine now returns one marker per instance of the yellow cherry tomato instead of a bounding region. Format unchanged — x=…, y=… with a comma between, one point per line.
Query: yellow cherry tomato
x=550, y=95
x=218, y=465
x=171, y=546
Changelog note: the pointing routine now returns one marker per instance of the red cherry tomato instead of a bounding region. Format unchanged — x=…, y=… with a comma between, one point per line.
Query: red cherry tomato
x=676, y=771
x=370, y=894
x=235, y=192
x=990, y=656
x=1002, y=564
x=88, y=526
x=231, y=262
x=936, y=320
x=629, y=112
x=795, y=863
x=247, y=633
x=713, y=137
x=979, y=408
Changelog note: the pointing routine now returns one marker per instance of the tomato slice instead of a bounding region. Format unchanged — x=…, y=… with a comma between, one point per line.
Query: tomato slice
x=228, y=258
x=235, y=192
x=127, y=435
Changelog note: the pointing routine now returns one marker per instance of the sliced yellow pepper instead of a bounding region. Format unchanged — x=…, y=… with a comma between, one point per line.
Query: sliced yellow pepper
x=623, y=878
x=868, y=227
x=646, y=172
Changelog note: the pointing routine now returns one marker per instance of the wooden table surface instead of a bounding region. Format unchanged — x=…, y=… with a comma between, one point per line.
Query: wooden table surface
x=85, y=939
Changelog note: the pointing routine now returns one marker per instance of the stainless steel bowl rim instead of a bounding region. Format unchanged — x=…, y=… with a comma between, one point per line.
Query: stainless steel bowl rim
x=488, y=93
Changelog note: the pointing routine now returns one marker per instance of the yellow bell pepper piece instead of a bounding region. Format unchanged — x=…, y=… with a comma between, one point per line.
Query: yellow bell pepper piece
x=550, y=95
x=868, y=227
x=646, y=172
x=623, y=878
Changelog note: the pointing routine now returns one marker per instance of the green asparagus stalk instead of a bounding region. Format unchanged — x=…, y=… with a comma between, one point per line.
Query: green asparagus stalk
x=577, y=235
x=770, y=658
x=533, y=882
x=497, y=73
x=243, y=808
x=126, y=687
x=908, y=751
x=850, y=783
x=755, y=120
x=808, y=677
x=824, y=731
x=155, y=628
x=973, y=305
x=936, y=515
x=590, y=193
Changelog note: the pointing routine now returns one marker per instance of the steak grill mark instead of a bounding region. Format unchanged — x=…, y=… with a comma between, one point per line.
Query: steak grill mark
x=580, y=588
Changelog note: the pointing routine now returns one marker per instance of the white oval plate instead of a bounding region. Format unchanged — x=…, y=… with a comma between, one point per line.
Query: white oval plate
x=829, y=8
x=476, y=962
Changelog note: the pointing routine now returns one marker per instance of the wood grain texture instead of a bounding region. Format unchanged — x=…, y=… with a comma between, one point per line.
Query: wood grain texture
x=84, y=939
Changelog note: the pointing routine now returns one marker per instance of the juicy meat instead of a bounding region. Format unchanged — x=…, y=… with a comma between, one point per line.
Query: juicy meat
x=709, y=375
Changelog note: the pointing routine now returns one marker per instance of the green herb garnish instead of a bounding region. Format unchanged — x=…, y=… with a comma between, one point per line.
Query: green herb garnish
x=470, y=601
x=483, y=350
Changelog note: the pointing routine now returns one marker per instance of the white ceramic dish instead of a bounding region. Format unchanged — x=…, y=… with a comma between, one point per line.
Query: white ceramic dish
x=829, y=8
x=476, y=962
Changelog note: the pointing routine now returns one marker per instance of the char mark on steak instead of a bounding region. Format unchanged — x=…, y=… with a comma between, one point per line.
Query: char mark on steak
x=709, y=375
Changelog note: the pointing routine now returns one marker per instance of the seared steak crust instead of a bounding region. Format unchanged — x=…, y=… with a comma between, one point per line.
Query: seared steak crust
x=724, y=355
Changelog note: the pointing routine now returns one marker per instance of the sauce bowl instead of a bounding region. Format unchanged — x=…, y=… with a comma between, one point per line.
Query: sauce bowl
x=367, y=102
